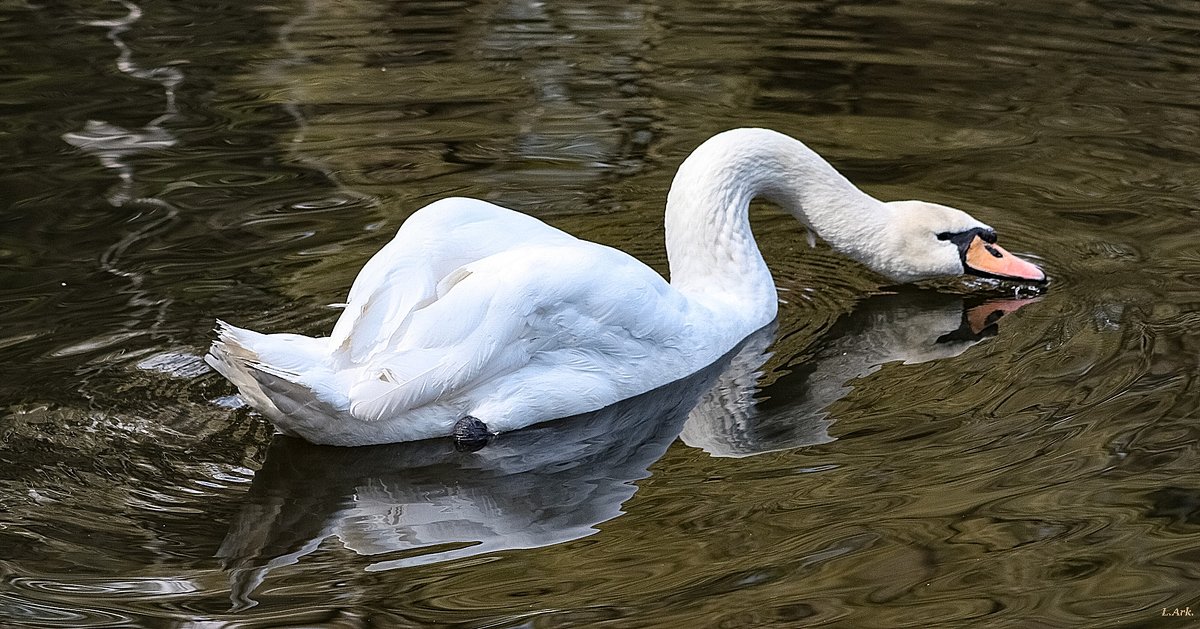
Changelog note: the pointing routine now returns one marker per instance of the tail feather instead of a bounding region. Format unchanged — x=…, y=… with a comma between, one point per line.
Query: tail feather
x=272, y=371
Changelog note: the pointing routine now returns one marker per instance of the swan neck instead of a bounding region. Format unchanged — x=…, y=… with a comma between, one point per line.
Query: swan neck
x=710, y=247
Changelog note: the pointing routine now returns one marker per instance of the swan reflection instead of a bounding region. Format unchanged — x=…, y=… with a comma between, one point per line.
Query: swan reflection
x=421, y=502
x=911, y=327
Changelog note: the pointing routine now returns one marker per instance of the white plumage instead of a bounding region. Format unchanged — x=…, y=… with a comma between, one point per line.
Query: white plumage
x=474, y=309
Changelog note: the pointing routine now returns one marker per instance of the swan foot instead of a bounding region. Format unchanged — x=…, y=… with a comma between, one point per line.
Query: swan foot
x=471, y=435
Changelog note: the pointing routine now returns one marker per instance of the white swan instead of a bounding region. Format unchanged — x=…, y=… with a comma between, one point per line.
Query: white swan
x=477, y=319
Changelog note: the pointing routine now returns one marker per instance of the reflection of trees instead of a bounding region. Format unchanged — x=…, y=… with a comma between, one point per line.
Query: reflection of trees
x=114, y=146
x=543, y=93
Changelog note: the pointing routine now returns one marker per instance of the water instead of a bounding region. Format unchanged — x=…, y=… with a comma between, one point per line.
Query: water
x=882, y=458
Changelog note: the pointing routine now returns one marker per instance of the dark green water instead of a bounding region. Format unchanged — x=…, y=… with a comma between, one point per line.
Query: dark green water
x=869, y=463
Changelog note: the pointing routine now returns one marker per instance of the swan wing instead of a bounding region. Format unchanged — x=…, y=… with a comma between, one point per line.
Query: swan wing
x=579, y=305
x=403, y=276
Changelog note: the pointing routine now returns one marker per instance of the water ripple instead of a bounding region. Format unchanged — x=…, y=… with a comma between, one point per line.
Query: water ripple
x=895, y=466
x=25, y=611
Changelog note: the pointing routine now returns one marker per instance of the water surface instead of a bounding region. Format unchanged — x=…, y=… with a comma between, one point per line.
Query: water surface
x=950, y=455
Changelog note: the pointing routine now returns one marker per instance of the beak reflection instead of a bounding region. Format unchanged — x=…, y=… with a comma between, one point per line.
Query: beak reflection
x=985, y=315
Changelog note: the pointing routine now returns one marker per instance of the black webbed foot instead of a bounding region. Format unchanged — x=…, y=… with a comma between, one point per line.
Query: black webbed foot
x=471, y=435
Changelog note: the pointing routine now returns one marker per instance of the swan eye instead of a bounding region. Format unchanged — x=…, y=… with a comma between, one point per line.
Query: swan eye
x=962, y=239
x=959, y=239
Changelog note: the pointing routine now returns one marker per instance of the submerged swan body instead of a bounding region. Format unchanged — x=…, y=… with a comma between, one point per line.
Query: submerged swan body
x=476, y=311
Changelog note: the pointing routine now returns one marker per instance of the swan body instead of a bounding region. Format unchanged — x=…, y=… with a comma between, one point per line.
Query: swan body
x=474, y=310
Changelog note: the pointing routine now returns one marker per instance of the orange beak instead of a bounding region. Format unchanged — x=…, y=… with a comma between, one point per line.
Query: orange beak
x=991, y=260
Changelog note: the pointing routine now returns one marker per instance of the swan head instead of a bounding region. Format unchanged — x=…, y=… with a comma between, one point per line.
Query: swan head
x=928, y=240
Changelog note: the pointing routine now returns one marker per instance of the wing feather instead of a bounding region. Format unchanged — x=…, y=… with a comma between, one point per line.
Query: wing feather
x=578, y=305
x=418, y=266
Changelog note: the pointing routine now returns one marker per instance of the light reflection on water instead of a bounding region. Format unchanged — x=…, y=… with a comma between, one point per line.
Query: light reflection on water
x=879, y=464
